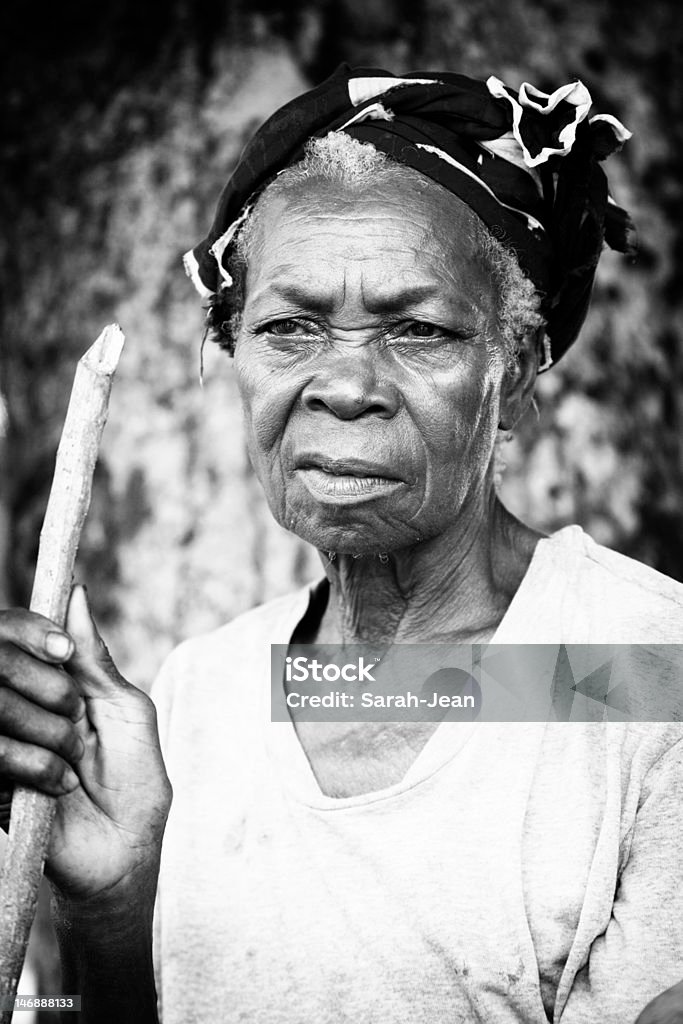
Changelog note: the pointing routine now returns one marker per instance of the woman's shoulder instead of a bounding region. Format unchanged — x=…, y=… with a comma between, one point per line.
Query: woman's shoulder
x=606, y=596
x=234, y=645
x=615, y=567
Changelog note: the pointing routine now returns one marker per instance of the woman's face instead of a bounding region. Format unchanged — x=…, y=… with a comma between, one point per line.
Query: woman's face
x=370, y=366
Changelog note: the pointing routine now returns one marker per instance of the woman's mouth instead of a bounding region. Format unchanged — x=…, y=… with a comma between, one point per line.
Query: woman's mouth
x=346, y=480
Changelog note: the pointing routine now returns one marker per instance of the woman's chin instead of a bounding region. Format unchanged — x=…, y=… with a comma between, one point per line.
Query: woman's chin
x=352, y=538
x=363, y=527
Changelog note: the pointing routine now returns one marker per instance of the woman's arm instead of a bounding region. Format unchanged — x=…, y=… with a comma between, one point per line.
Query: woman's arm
x=637, y=962
x=106, y=953
x=71, y=726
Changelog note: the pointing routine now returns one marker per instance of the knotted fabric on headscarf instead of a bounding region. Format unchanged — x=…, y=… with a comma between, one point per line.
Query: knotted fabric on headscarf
x=527, y=163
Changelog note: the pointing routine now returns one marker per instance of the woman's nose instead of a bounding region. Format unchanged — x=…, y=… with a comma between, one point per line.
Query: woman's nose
x=350, y=386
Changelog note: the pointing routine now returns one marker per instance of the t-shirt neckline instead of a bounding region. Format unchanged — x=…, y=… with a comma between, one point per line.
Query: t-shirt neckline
x=449, y=738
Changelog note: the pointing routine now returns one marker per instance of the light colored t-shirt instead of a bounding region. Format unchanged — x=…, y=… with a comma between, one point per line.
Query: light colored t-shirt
x=518, y=873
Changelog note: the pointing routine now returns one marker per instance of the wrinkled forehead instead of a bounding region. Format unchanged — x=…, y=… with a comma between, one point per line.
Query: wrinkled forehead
x=408, y=214
x=388, y=248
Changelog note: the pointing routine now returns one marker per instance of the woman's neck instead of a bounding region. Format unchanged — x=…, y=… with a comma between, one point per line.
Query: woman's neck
x=455, y=587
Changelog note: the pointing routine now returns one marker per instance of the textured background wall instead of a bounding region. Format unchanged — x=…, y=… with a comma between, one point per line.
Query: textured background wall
x=123, y=120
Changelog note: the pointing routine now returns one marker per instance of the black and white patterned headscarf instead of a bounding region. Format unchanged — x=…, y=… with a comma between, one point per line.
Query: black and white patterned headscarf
x=527, y=163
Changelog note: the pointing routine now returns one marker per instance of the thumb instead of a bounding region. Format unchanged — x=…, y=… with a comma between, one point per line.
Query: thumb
x=91, y=664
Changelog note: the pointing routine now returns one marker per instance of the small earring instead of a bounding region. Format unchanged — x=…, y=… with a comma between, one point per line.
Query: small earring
x=499, y=465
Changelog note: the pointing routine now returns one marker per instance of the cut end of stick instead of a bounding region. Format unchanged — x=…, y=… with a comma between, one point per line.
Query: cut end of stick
x=103, y=355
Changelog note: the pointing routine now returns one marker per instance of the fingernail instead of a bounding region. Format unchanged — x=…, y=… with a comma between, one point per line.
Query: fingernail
x=69, y=780
x=84, y=597
x=58, y=646
x=79, y=749
x=79, y=710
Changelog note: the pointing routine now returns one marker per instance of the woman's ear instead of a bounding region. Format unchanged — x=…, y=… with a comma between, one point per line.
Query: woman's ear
x=520, y=380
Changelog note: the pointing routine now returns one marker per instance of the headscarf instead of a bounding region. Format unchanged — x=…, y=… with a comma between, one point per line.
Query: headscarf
x=527, y=163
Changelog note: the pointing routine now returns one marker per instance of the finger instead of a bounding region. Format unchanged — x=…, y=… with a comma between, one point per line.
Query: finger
x=46, y=685
x=5, y=804
x=666, y=1008
x=27, y=765
x=35, y=634
x=91, y=664
x=22, y=720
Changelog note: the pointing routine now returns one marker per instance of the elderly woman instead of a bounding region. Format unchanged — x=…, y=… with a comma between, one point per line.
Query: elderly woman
x=392, y=263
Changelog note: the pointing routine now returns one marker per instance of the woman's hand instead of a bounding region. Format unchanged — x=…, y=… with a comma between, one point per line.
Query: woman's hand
x=71, y=726
x=666, y=1008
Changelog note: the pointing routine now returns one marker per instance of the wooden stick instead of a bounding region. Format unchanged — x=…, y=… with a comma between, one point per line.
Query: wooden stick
x=33, y=812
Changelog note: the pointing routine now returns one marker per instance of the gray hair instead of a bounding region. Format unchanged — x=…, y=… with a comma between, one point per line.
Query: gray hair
x=341, y=160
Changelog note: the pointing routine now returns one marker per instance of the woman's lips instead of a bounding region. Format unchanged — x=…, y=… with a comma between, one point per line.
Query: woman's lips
x=346, y=480
x=351, y=466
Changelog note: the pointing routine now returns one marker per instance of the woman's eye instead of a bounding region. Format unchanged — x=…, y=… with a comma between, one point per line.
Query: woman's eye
x=421, y=329
x=284, y=327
